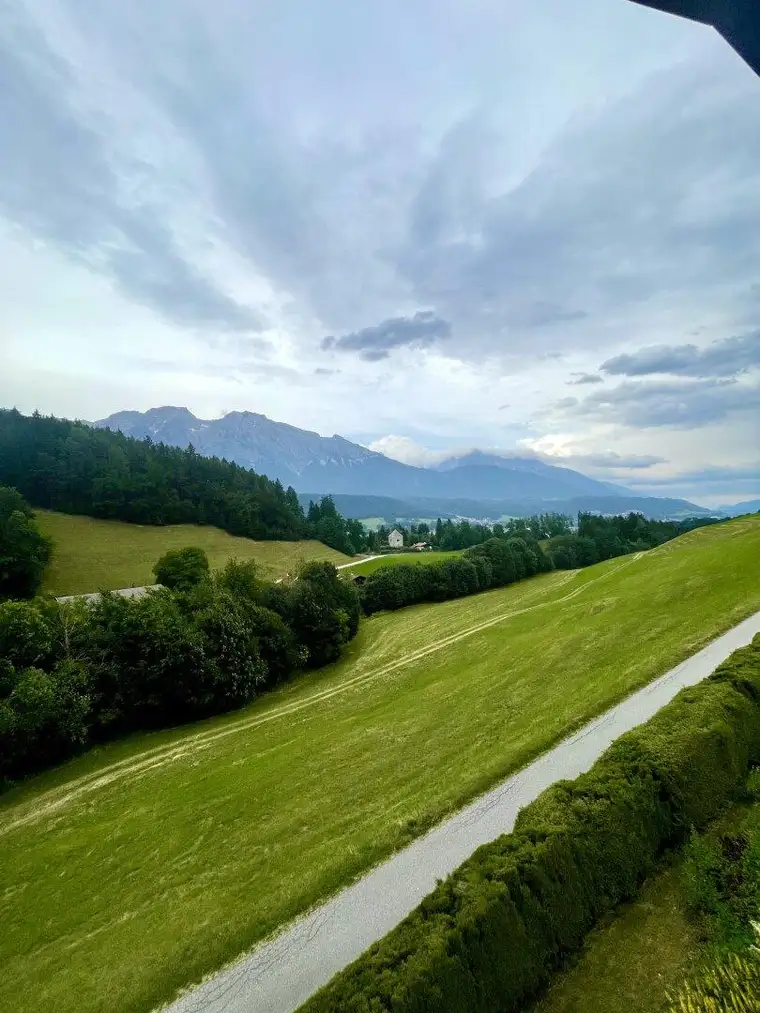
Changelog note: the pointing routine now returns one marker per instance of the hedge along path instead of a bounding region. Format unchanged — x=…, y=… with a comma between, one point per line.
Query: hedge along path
x=489, y=936
x=51, y=802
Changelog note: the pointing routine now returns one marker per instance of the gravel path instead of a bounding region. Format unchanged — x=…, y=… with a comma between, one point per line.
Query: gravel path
x=282, y=973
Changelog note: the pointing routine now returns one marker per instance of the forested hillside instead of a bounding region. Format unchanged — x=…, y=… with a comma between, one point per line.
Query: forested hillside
x=74, y=468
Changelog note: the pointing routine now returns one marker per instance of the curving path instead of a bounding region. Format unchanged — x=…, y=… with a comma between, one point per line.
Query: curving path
x=283, y=972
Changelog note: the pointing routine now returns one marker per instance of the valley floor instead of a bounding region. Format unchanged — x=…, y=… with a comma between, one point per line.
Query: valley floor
x=138, y=868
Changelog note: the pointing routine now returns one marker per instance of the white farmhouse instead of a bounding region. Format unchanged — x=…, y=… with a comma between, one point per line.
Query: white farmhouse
x=396, y=539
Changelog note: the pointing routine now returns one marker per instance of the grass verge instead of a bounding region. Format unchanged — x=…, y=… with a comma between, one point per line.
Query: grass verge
x=632, y=961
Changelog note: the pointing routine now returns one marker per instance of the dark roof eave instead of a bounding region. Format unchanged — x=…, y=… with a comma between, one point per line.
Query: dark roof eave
x=738, y=21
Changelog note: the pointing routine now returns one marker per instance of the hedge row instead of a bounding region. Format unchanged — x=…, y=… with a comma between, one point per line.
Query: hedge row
x=489, y=937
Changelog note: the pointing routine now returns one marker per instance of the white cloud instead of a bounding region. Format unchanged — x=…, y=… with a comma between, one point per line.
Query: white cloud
x=402, y=448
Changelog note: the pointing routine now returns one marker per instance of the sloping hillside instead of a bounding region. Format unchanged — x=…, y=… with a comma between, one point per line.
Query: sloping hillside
x=95, y=555
x=155, y=860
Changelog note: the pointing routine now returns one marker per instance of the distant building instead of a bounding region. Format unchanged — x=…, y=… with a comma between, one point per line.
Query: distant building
x=396, y=539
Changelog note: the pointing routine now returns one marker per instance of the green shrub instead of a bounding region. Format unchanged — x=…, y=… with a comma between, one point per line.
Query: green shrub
x=700, y=746
x=181, y=569
x=44, y=719
x=26, y=638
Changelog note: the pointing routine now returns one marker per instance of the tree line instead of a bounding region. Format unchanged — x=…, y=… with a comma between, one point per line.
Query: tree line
x=597, y=538
x=514, y=551
x=450, y=535
x=76, y=673
x=69, y=466
x=493, y=563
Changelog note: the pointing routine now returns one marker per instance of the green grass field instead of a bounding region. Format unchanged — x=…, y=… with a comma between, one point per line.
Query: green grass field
x=95, y=555
x=397, y=558
x=138, y=868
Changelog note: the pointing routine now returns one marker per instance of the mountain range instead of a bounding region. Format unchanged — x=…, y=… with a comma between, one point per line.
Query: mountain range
x=320, y=465
x=331, y=464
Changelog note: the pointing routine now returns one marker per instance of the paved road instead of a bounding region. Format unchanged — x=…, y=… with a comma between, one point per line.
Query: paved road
x=281, y=974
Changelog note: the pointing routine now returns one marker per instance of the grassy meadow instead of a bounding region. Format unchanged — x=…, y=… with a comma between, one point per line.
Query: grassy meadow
x=96, y=555
x=397, y=558
x=142, y=866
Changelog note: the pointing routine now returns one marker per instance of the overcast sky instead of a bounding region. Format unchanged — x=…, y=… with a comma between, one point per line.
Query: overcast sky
x=421, y=224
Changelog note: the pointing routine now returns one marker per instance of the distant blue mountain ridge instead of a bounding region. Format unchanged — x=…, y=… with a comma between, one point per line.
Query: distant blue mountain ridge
x=323, y=465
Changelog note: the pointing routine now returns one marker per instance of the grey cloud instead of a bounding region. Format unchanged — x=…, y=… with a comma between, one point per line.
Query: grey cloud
x=681, y=405
x=615, y=215
x=716, y=475
x=377, y=342
x=58, y=180
x=322, y=371
x=151, y=270
x=583, y=379
x=353, y=218
x=610, y=459
x=722, y=483
x=543, y=314
x=729, y=357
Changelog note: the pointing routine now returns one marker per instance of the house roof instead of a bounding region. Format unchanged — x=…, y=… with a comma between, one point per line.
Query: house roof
x=738, y=21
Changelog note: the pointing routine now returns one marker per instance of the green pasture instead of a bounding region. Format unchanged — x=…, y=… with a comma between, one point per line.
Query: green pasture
x=139, y=867
x=95, y=555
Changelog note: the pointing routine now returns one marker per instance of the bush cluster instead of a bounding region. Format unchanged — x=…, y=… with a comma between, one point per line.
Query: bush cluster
x=75, y=673
x=721, y=882
x=488, y=937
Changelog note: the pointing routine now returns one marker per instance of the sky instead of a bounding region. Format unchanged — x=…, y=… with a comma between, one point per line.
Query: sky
x=426, y=225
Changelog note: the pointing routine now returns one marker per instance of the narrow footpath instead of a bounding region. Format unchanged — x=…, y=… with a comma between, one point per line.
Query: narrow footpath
x=283, y=972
